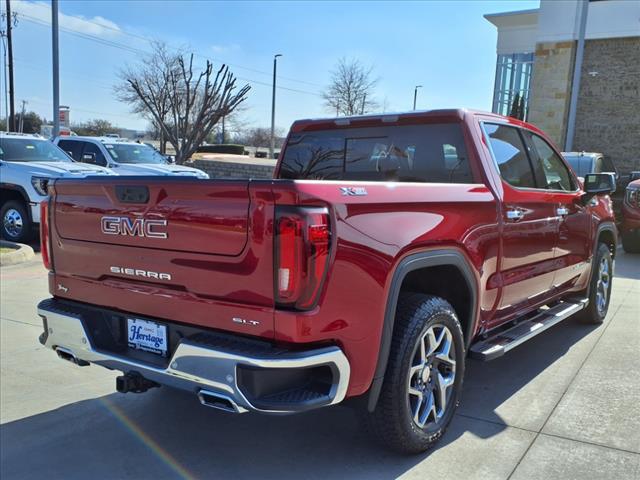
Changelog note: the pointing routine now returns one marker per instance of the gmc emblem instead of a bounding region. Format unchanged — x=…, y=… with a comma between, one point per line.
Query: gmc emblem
x=139, y=227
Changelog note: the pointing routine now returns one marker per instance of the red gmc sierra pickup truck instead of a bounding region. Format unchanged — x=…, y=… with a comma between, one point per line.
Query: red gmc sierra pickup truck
x=386, y=250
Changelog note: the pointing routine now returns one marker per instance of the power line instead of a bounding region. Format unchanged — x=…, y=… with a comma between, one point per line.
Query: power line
x=151, y=41
x=108, y=114
x=87, y=36
x=144, y=52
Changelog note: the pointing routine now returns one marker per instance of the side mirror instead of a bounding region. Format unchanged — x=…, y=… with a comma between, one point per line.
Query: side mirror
x=89, y=158
x=598, y=184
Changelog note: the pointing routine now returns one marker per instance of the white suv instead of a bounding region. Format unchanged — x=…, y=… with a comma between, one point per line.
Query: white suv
x=123, y=156
x=27, y=164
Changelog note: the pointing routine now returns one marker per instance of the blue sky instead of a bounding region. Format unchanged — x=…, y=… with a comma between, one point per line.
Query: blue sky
x=446, y=46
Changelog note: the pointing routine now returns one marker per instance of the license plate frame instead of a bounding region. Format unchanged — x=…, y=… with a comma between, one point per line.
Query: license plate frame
x=147, y=336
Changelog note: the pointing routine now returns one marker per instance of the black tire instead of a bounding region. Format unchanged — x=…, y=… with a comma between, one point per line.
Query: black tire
x=393, y=422
x=596, y=310
x=15, y=222
x=631, y=242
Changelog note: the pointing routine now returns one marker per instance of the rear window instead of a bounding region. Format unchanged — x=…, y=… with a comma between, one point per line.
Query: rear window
x=414, y=153
x=580, y=165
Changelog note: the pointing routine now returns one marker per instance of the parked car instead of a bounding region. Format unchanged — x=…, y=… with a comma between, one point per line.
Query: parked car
x=386, y=249
x=630, y=229
x=27, y=164
x=590, y=162
x=124, y=157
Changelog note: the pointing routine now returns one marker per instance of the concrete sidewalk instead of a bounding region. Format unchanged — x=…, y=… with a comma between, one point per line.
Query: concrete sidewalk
x=564, y=405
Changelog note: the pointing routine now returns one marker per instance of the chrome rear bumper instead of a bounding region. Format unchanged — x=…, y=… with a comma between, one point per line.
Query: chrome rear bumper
x=208, y=371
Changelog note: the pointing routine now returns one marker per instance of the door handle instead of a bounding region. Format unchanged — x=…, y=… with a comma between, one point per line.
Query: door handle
x=562, y=211
x=514, y=214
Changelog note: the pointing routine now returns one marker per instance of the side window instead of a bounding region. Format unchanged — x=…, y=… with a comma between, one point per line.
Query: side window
x=607, y=165
x=510, y=155
x=72, y=148
x=556, y=173
x=598, y=166
x=90, y=148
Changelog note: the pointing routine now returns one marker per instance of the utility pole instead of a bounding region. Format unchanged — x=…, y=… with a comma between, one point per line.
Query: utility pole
x=11, y=121
x=364, y=99
x=272, y=144
x=577, y=70
x=6, y=86
x=21, y=127
x=415, y=95
x=56, y=68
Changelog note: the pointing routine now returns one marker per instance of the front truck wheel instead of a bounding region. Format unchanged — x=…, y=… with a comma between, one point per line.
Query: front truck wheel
x=422, y=384
x=16, y=222
x=599, y=287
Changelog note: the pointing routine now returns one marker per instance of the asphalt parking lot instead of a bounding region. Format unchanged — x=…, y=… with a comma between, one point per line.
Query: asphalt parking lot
x=564, y=405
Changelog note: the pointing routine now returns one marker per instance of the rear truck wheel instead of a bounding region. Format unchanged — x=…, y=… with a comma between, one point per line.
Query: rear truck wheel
x=631, y=242
x=599, y=287
x=16, y=222
x=422, y=384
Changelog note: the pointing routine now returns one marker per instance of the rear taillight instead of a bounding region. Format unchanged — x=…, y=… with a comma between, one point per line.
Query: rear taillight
x=302, y=241
x=45, y=244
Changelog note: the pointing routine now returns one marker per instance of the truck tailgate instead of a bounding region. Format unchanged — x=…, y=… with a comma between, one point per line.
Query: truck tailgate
x=188, y=250
x=209, y=219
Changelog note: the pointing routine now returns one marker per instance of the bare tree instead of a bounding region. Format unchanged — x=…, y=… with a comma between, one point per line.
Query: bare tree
x=185, y=105
x=351, y=89
x=152, y=71
x=259, y=136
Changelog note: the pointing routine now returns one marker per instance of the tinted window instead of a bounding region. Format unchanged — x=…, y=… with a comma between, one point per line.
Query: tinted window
x=412, y=153
x=134, y=153
x=510, y=155
x=580, y=165
x=27, y=149
x=607, y=165
x=92, y=148
x=72, y=148
x=556, y=173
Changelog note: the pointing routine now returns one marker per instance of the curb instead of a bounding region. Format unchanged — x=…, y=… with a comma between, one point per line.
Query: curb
x=21, y=253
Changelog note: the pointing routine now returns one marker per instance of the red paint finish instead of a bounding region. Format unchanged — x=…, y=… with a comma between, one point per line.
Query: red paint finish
x=224, y=261
x=631, y=210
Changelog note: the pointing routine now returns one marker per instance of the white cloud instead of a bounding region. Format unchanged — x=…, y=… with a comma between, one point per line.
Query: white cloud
x=221, y=49
x=41, y=12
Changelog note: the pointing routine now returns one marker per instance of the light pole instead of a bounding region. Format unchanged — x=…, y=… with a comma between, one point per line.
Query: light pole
x=56, y=68
x=415, y=95
x=273, y=106
x=583, y=8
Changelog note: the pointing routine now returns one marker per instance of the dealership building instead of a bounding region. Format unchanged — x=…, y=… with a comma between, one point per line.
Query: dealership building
x=535, y=65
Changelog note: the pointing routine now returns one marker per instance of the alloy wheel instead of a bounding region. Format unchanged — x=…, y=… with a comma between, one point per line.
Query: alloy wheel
x=602, y=286
x=431, y=376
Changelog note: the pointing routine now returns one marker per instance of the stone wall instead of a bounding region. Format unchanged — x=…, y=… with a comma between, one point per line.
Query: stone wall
x=228, y=169
x=608, y=115
x=551, y=88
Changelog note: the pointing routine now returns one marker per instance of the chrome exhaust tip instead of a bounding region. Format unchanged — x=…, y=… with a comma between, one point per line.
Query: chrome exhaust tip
x=219, y=401
x=69, y=356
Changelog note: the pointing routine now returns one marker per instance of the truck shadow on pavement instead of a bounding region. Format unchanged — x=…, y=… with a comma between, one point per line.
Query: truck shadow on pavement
x=167, y=434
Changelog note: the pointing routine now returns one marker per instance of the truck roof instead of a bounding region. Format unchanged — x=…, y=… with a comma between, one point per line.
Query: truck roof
x=33, y=136
x=107, y=140
x=399, y=118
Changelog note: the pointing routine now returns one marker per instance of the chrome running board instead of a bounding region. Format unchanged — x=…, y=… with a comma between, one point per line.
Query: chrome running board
x=500, y=343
